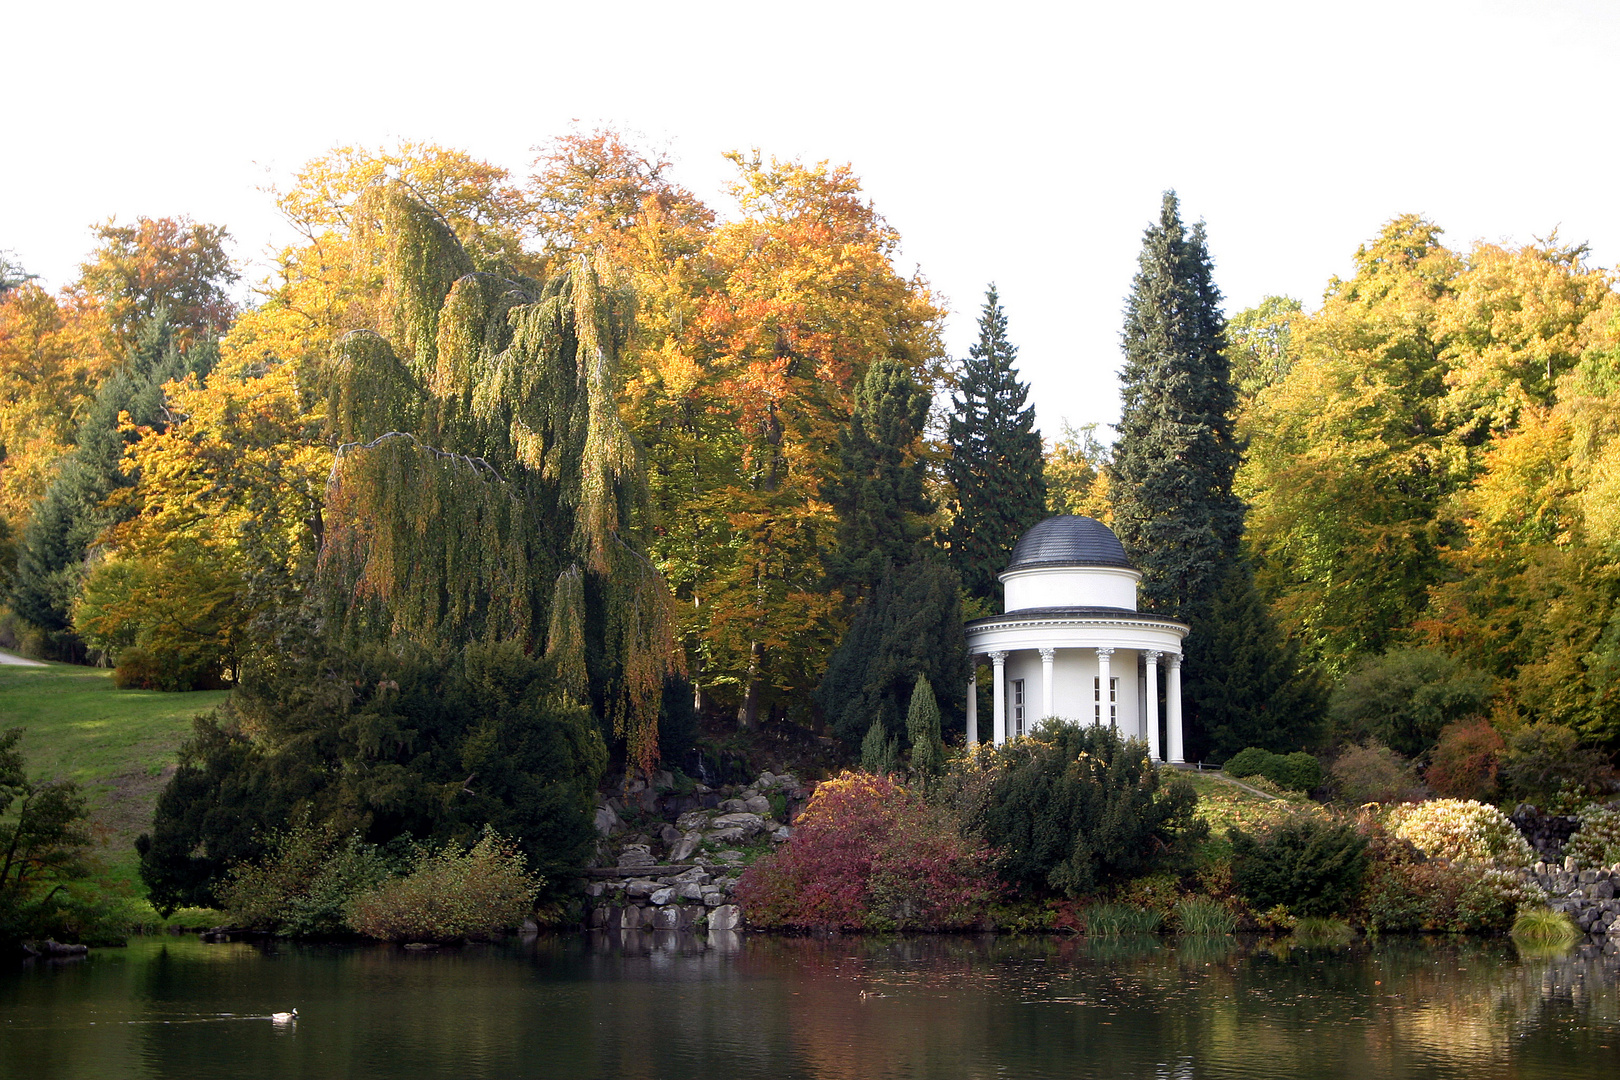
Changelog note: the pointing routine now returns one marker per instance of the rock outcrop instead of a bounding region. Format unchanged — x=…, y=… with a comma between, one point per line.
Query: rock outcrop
x=670, y=858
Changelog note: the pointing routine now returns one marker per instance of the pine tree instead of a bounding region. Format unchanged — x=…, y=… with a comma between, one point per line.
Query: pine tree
x=878, y=493
x=922, y=724
x=1177, y=450
x=996, y=470
x=880, y=754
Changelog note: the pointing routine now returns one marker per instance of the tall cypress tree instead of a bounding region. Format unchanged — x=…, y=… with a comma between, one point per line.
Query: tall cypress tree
x=1177, y=451
x=996, y=470
x=878, y=493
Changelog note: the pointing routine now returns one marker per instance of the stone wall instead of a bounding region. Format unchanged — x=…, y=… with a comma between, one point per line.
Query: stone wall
x=1547, y=833
x=676, y=854
x=1586, y=896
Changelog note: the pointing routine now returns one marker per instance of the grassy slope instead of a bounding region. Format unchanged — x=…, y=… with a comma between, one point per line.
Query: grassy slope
x=117, y=745
x=1224, y=804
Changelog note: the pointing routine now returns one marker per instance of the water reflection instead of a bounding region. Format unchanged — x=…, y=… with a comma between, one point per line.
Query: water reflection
x=677, y=1006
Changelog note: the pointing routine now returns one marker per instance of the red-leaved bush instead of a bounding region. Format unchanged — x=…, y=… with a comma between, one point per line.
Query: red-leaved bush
x=869, y=854
x=1464, y=764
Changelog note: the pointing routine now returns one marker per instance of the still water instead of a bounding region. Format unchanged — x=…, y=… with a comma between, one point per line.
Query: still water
x=675, y=1007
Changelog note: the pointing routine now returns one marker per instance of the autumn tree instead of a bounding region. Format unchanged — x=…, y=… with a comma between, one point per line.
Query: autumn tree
x=173, y=266
x=995, y=471
x=1077, y=474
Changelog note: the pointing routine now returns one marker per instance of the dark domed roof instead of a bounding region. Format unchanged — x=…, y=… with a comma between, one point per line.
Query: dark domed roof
x=1068, y=541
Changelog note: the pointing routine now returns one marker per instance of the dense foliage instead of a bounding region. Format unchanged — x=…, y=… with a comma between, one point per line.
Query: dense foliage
x=870, y=854
x=1460, y=831
x=450, y=893
x=44, y=839
x=1309, y=866
x=1071, y=809
x=383, y=742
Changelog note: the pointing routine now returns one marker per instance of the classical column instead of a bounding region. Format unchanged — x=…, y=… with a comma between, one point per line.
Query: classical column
x=1103, y=706
x=998, y=687
x=1172, y=709
x=1046, y=683
x=1153, y=705
x=973, y=701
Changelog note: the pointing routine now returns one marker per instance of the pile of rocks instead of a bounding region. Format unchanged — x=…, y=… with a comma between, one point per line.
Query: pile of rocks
x=700, y=838
x=1587, y=896
x=1547, y=833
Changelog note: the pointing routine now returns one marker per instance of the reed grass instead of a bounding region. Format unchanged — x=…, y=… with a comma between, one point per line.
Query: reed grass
x=1544, y=929
x=1197, y=915
x=1114, y=920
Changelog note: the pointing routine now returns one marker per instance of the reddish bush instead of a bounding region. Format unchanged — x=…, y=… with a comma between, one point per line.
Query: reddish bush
x=1465, y=761
x=869, y=854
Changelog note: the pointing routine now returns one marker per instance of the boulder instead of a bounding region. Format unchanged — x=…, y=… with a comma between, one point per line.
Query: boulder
x=670, y=835
x=751, y=823
x=607, y=822
x=692, y=819
x=713, y=898
x=667, y=918
x=727, y=836
x=734, y=806
x=732, y=857
x=641, y=888
x=697, y=876
x=758, y=804
x=635, y=856
x=683, y=849
x=725, y=917
x=782, y=833
x=660, y=897
x=689, y=890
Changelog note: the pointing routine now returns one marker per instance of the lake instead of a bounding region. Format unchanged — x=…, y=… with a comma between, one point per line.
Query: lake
x=668, y=1007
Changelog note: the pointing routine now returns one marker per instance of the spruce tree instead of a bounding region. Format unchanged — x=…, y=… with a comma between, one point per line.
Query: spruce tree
x=996, y=469
x=880, y=754
x=1177, y=450
x=878, y=493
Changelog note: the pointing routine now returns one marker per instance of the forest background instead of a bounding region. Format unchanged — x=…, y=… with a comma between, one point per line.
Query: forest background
x=500, y=481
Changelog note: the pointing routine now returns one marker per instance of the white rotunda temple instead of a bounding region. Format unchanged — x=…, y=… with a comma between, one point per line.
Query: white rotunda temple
x=1072, y=645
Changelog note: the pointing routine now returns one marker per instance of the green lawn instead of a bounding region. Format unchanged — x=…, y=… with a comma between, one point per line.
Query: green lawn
x=1224, y=804
x=117, y=745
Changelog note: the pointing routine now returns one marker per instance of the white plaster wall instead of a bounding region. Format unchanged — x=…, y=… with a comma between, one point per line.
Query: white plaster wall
x=1073, y=674
x=1069, y=586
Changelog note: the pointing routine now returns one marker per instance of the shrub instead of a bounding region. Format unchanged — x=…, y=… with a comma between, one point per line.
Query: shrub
x=44, y=837
x=1298, y=771
x=1309, y=866
x=1542, y=759
x=1404, y=896
x=880, y=755
x=870, y=854
x=1372, y=773
x=450, y=894
x=1406, y=697
x=1598, y=841
x=1544, y=928
x=1197, y=915
x=1462, y=831
x=1075, y=808
x=303, y=883
x=1116, y=920
x=1466, y=760
x=922, y=727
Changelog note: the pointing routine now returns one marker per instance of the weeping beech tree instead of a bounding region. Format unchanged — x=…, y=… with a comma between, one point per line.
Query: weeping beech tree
x=485, y=487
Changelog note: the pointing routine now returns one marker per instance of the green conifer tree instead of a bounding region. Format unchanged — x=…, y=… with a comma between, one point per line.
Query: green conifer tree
x=880, y=754
x=922, y=725
x=1249, y=687
x=1177, y=450
x=910, y=626
x=996, y=470
x=878, y=493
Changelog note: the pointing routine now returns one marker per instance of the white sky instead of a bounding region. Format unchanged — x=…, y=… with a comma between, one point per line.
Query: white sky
x=1021, y=143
